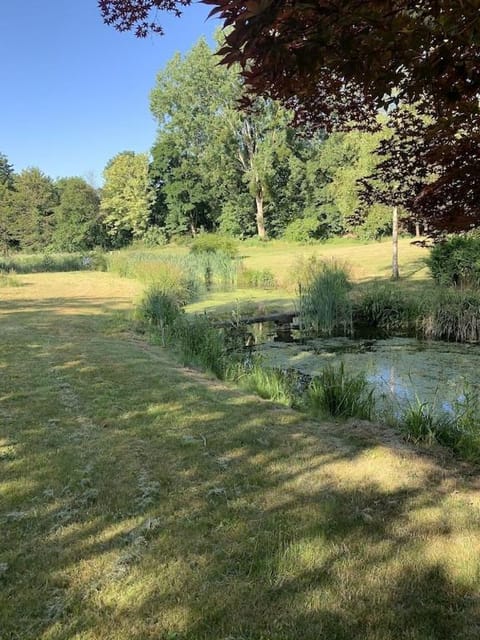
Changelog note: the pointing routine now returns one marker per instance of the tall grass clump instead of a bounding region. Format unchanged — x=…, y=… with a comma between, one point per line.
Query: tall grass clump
x=160, y=311
x=324, y=302
x=186, y=276
x=270, y=384
x=452, y=315
x=386, y=307
x=457, y=429
x=339, y=394
x=199, y=343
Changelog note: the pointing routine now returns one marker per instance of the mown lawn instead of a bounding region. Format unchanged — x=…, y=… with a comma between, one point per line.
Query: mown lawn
x=139, y=500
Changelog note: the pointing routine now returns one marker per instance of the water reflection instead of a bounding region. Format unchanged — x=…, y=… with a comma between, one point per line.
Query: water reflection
x=404, y=370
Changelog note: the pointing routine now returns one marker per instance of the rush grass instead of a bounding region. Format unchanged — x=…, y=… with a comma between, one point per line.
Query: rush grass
x=141, y=500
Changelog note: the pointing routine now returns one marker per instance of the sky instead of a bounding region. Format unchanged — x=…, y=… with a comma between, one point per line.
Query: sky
x=75, y=92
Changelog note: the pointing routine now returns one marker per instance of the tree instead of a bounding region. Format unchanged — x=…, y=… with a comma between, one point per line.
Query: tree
x=127, y=195
x=77, y=216
x=32, y=203
x=7, y=216
x=209, y=157
x=6, y=170
x=338, y=62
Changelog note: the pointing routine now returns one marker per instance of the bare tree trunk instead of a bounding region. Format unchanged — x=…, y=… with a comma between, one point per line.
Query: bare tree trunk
x=262, y=233
x=395, y=271
x=417, y=229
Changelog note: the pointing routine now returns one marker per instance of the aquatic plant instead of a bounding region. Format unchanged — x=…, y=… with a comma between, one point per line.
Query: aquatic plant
x=271, y=384
x=386, y=307
x=452, y=315
x=198, y=342
x=324, y=303
x=336, y=393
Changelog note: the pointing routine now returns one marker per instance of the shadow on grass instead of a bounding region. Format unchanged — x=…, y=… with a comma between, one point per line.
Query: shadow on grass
x=140, y=500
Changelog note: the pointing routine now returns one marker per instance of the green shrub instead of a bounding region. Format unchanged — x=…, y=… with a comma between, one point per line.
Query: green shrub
x=301, y=230
x=324, y=303
x=154, y=237
x=456, y=262
x=257, y=279
x=214, y=242
x=338, y=394
x=386, y=307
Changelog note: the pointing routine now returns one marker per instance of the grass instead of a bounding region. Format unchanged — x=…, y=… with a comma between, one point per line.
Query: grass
x=140, y=500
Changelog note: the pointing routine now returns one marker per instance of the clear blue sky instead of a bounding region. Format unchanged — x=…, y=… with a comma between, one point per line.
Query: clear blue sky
x=74, y=91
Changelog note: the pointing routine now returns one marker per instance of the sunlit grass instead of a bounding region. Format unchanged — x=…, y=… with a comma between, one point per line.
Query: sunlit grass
x=140, y=500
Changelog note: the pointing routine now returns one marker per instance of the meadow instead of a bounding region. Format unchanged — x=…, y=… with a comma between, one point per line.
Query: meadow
x=142, y=499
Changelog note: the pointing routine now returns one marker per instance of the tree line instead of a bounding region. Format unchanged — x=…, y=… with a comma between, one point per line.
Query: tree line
x=212, y=167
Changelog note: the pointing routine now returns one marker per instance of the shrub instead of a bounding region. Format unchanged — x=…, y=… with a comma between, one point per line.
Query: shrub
x=325, y=306
x=154, y=237
x=214, y=242
x=338, y=394
x=386, y=307
x=456, y=262
x=302, y=230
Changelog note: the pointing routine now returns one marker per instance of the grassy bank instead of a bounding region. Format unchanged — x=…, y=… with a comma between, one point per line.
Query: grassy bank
x=140, y=500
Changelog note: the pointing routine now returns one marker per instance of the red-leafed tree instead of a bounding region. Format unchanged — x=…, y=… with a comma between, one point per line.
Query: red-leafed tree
x=337, y=62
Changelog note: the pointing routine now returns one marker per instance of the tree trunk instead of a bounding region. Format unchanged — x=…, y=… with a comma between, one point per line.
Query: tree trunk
x=417, y=229
x=262, y=234
x=395, y=271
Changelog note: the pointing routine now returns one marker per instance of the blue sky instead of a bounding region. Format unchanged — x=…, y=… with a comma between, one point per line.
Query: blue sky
x=76, y=92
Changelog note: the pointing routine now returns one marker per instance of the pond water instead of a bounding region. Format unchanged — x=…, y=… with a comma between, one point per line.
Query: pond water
x=402, y=370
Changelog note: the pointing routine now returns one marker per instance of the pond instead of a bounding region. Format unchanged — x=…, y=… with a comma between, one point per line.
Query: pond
x=402, y=370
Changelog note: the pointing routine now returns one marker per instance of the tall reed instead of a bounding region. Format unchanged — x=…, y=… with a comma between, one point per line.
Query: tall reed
x=324, y=302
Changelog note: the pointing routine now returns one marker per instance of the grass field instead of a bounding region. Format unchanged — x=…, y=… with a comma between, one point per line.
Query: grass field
x=139, y=500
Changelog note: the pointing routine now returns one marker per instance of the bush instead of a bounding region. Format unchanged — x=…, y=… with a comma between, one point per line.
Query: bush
x=325, y=306
x=301, y=230
x=214, y=242
x=386, y=307
x=154, y=237
x=338, y=394
x=456, y=262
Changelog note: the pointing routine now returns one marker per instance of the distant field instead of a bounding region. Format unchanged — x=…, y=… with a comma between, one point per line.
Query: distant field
x=367, y=262
x=140, y=500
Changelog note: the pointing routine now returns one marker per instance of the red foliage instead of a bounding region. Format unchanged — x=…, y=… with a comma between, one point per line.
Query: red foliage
x=339, y=61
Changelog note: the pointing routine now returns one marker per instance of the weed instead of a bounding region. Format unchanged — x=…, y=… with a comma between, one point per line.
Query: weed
x=338, y=394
